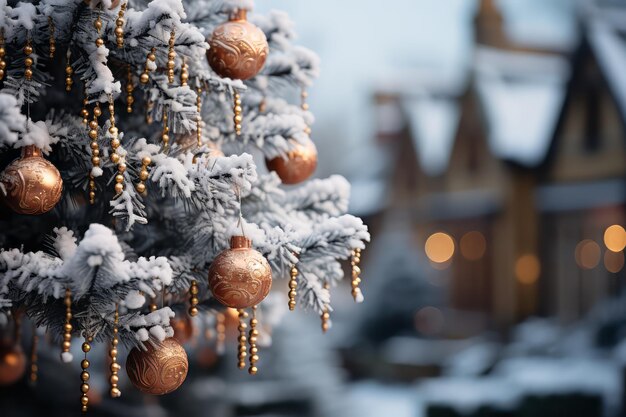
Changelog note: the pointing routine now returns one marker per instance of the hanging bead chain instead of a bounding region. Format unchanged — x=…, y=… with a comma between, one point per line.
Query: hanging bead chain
x=143, y=175
x=115, y=144
x=53, y=46
x=193, y=298
x=199, y=117
x=145, y=76
x=119, y=27
x=149, y=107
x=28, y=61
x=3, y=52
x=153, y=305
x=238, y=118
x=293, y=284
x=184, y=73
x=242, y=338
x=262, y=105
x=325, y=316
x=171, y=57
x=115, y=367
x=98, y=25
x=305, y=106
x=129, y=90
x=84, y=376
x=356, y=272
x=254, y=333
x=67, y=327
x=84, y=113
x=68, y=72
x=32, y=377
x=165, y=137
x=95, y=151
x=220, y=330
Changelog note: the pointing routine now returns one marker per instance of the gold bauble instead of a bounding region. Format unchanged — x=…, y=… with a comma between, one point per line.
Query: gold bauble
x=189, y=143
x=183, y=329
x=238, y=49
x=158, y=370
x=33, y=184
x=299, y=165
x=12, y=364
x=240, y=277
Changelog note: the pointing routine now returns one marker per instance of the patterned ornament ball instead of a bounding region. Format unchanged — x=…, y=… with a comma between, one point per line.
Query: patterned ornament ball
x=12, y=364
x=238, y=49
x=299, y=165
x=158, y=370
x=240, y=277
x=32, y=184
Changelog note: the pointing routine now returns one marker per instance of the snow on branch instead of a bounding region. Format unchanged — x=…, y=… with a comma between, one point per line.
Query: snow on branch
x=12, y=121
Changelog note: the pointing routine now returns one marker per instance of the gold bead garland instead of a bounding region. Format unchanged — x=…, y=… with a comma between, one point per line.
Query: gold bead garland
x=263, y=106
x=242, y=339
x=97, y=24
x=238, y=118
x=293, y=284
x=220, y=330
x=356, y=272
x=171, y=58
x=84, y=375
x=119, y=26
x=143, y=175
x=149, y=107
x=53, y=46
x=3, y=52
x=95, y=151
x=115, y=367
x=145, y=76
x=84, y=113
x=199, y=117
x=34, y=368
x=303, y=104
x=67, y=327
x=28, y=61
x=129, y=90
x=115, y=144
x=325, y=316
x=184, y=73
x=252, y=339
x=165, y=136
x=193, y=298
x=68, y=73
x=153, y=305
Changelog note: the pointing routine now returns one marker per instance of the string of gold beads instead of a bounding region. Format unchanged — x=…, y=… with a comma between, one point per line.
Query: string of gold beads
x=220, y=330
x=303, y=103
x=129, y=90
x=193, y=298
x=153, y=305
x=293, y=284
x=67, y=327
x=241, y=355
x=98, y=25
x=115, y=142
x=53, y=46
x=149, y=107
x=356, y=272
x=34, y=368
x=238, y=118
x=3, y=52
x=165, y=136
x=262, y=105
x=143, y=175
x=84, y=375
x=325, y=316
x=253, y=335
x=84, y=113
x=119, y=26
x=171, y=58
x=115, y=367
x=199, y=117
x=95, y=151
x=28, y=61
x=145, y=76
x=68, y=72
x=184, y=73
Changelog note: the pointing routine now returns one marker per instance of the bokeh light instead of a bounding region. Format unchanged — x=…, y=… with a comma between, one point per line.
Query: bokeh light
x=473, y=245
x=615, y=238
x=587, y=254
x=527, y=269
x=613, y=261
x=439, y=247
x=429, y=320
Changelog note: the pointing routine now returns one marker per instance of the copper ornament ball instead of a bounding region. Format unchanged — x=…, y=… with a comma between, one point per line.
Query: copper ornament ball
x=12, y=364
x=238, y=49
x=158, y=370
x=240, y=277
x=33, y=185
x=299, y=165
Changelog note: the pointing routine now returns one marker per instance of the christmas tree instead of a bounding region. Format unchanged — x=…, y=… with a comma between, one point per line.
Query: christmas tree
x=133, y=136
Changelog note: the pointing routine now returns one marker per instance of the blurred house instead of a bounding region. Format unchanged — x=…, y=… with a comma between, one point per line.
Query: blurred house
x=513, y=174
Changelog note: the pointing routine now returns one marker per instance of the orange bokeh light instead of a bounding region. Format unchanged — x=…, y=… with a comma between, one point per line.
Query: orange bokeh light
x=587, y=254
x=615, y=238
x=527, y=269
x=613, y=261
x=439, y=247
x=473, y=245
